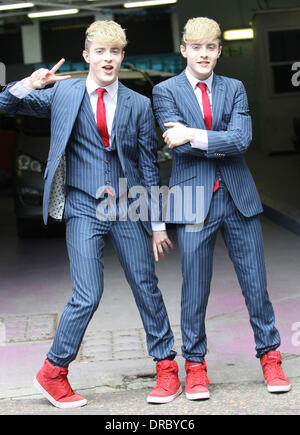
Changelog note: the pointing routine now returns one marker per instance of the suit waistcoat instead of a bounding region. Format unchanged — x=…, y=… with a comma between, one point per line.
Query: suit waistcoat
x=89, y=165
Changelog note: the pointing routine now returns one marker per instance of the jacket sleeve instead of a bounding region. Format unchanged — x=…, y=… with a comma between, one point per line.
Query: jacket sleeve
x=233, y=139
x=37, y=103
x=148, y=162
x=148, y=143
x=166, y=110
x=237, y=136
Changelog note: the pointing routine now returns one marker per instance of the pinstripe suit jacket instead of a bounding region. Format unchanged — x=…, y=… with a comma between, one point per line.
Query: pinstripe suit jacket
x=230, y=136
x=133, y=131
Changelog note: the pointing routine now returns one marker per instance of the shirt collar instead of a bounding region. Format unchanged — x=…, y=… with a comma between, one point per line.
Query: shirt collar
x=91, y=87
x=194, y=81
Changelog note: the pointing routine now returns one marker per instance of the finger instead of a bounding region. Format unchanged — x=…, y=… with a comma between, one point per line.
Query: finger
x=155, y=252
x=168, y=241
x=167, y=139
x=60, y=78
x=160, y=250
x=166, y=247
x=170, y=124
x=57, y=66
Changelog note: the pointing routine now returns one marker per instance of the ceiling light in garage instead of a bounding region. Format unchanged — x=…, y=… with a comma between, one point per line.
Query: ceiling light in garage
x=140, y=4
x=230, y=35
x=8, y=7
x=52, y=13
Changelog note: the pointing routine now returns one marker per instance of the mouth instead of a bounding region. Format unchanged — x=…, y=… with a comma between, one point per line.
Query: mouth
x=203, y=63
x=108, y=68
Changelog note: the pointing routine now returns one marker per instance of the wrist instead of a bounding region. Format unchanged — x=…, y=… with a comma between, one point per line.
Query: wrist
x=192, y=134
x=27, y=83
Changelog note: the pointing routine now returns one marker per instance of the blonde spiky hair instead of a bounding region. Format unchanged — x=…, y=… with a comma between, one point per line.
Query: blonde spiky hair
x=105, y=31
x=198, y=29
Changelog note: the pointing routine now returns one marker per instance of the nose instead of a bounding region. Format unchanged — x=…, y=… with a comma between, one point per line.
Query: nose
x=203, y=52
x=108, y=55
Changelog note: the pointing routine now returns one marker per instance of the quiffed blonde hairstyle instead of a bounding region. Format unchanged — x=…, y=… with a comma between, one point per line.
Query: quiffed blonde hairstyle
x=198, y=29
x=109, y=32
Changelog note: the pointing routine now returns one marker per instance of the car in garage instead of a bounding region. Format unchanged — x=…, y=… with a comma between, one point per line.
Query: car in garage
x=33, y=146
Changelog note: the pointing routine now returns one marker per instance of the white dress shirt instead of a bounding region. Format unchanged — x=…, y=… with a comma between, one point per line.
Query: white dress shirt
x=201, y=139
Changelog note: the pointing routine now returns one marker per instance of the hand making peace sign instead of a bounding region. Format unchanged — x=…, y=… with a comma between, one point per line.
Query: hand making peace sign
x=43, y=77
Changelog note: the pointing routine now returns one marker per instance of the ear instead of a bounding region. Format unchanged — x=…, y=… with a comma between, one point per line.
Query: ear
x=183, y=50
x=86, y=56
x=220, y=51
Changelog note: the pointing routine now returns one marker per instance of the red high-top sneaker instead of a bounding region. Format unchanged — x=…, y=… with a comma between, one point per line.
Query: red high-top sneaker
x=274, y=375
x=53, y=383
x=168, y=386
x=196, y=385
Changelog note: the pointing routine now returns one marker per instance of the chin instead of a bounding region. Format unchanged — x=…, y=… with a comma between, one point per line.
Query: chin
x=105, y=81
x=205, y=73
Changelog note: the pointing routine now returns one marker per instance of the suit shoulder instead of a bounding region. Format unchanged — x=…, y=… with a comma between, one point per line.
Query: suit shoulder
x=134, y=94
x=69, y=83
x=231, y=82
x=140, y=97
x=166, y=83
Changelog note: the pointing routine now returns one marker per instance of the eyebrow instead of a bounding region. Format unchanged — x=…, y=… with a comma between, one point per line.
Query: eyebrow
x=206, y=43
x=100, y=47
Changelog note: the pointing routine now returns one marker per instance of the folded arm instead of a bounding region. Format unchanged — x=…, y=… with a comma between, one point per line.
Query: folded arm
x=169, y=118
x=238, y=135
x=232, y=141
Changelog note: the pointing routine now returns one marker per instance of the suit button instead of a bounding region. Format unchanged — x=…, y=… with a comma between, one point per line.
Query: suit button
x=107, y=182
x=105, y=161
x=107, y=172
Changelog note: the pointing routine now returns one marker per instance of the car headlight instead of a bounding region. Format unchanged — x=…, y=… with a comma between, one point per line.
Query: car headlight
x=27, y=163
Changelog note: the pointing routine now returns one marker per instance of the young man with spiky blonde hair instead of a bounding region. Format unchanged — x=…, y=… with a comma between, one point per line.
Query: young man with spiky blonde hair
x=201, y=28
x=105, y=31
x=101, y=131
x=206, y=121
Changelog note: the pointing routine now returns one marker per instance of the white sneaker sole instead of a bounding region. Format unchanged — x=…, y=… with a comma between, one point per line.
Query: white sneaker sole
x=156, y=399
x=62, y=405
x=197, y=396
x=279, y=388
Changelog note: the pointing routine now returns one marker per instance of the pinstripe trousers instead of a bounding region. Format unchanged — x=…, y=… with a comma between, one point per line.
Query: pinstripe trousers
x=243, y=239
x=85, y=241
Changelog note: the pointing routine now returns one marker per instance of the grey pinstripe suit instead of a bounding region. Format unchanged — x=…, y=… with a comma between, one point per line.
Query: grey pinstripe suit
x=133, y=155
x=233, y=209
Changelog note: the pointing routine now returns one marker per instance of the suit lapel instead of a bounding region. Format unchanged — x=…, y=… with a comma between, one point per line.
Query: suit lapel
x=218, y=98
x=75, y=96
x=122, y=114
x=187, y=97
x=87, y=109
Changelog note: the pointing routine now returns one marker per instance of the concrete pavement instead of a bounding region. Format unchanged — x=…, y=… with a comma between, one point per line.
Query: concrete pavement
x=113, y=369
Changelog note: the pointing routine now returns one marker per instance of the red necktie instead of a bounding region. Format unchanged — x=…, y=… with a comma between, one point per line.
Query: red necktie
x=207, y=117
x=101, y=117
x=206, y=106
